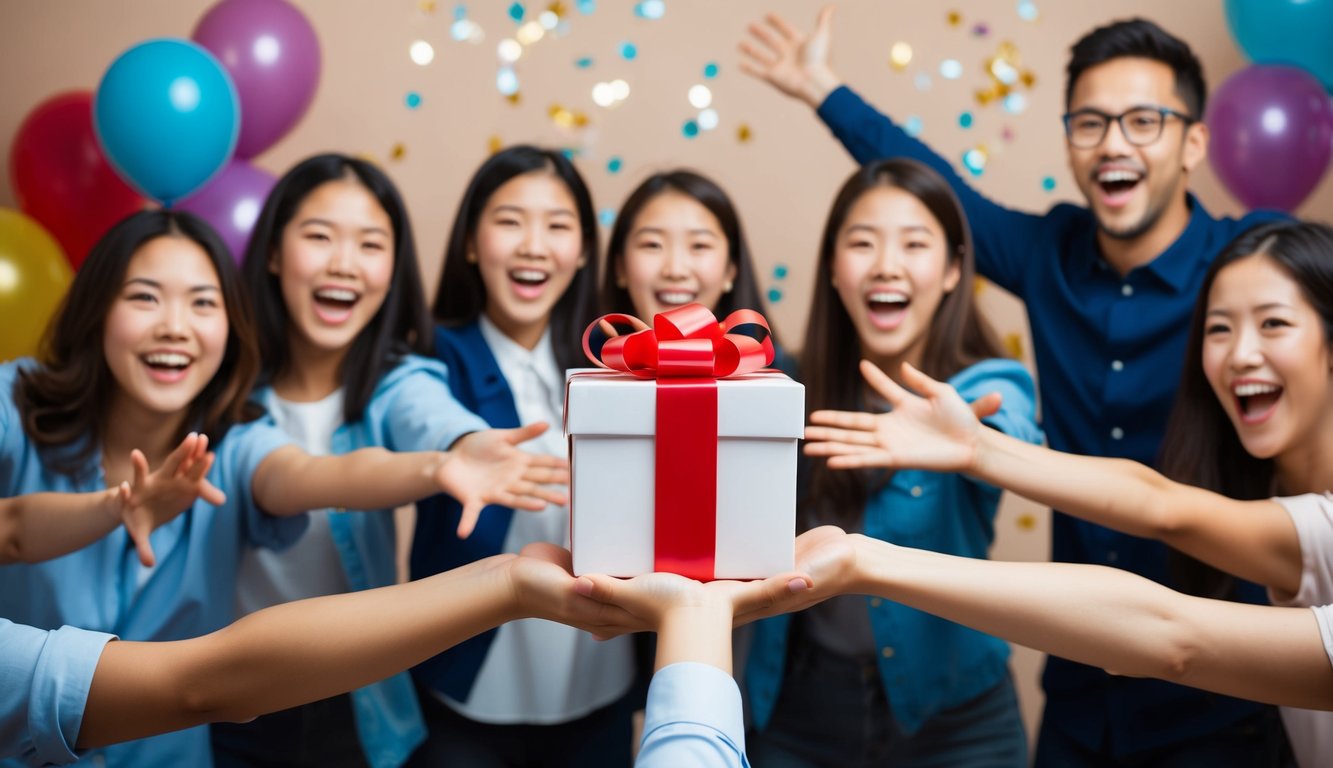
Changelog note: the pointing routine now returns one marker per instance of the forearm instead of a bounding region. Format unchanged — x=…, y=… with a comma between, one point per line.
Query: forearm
x=699, y=633
x=1113, y=619
x=369, y=478
x=42, y=526
x=290, y=654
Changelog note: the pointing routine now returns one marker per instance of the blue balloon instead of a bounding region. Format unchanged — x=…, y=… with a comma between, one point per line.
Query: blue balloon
x=1296, y=32
x=167, y=116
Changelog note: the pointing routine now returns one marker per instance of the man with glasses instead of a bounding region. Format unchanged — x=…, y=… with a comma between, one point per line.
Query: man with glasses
x=1109, y=289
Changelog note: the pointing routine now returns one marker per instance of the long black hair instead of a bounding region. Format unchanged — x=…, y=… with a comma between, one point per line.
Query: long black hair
x=461, y=297
x=64, y=401
x=1201, y=447
x=400, y=327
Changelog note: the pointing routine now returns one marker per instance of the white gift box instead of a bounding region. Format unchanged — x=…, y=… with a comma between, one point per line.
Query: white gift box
x=611, y=419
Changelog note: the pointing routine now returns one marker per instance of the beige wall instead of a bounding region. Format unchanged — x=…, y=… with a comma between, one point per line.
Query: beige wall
x=782, y=179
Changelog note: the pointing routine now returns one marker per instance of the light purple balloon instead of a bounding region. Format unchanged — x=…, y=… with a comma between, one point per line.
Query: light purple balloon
x=231, y=202
x=272, y=54
x=1271, y=132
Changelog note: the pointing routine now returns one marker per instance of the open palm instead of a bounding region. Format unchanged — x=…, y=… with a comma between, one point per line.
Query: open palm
x=157, y=497
x=487, y=467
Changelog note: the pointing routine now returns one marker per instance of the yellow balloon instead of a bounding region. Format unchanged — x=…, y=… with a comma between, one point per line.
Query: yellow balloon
x=33, y=278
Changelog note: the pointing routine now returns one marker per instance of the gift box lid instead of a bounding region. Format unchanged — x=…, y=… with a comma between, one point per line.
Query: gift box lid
x=766, y=404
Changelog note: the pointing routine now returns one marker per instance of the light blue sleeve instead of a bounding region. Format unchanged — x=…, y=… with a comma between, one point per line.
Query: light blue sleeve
x=238, y=458
x=693, y=718
x=1017, y=416
x=421, y=413
x=44, y=682
x=12, y=439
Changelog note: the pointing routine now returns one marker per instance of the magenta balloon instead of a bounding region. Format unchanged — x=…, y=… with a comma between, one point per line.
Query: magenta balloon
x=272, y=54
x=1271, y=132
x=231, y=203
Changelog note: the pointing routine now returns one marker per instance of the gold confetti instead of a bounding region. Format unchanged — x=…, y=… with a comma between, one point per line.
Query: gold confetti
x=1026, y=522
x=514, y=98
x=426, y=6
x=1028, y=78
x=495, y=143
x=978, y=285
x=398, y=151
x=1013, y=345
x=900, y=55
x=743, y=133
x=561, y=116
x=558, y=8
x=955, y=18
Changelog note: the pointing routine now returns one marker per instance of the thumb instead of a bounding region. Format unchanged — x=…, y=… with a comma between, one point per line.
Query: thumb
x=525, y=433
x=597, y=586
x=987, y=405
x=139, y=535
x=824, y=22
x=467, y=522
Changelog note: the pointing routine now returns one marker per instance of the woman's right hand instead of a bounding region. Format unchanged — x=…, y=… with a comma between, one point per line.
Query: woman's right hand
x=794, y=62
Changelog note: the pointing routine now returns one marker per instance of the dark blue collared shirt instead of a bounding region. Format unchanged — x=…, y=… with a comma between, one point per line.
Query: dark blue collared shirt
x=1109, y=350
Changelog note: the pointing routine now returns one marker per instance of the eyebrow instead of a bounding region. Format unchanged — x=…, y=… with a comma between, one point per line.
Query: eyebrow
x=157, y=285
x=331, y=225
x=521, y=209
x=877, y=230
x=1263, y=307
x=662, y=231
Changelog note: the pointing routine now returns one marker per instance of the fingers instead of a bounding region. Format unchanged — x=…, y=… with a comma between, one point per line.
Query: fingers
x=785, y=28
x=524, y=433
x=544, y=550
x=923, y=383
x=140, y=464
x=207, y=491
x=528, y=496
x=599, y=587
x=861, y=422
x=987, y=405
x=139, y=535
x=881, y=383
x=836, y=448
x=546, y=475
x=179, y=458
x=773, y=591
x=776, y=43
x=824, y=22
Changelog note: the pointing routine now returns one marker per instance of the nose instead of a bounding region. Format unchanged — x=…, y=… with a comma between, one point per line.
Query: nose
x=534, y=244
x=342, y=261
x=1246, y=350
x=172, y=323
x=1114, y=143
x=888, y=263
x=676, y=264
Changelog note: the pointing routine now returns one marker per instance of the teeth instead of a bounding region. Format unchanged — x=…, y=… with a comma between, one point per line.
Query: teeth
x=1112, y=176
x=1250, y=390
x=336, y=294
x=887, y=297
x=169, y=359
x=676, y=297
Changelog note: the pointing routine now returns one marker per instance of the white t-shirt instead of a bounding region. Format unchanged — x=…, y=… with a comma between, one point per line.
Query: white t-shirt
x=310, y=567
x=538, y=671
x=1311, y=732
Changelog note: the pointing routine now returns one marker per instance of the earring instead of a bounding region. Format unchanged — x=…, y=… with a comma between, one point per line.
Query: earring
x=621, y=282
x=472, y=257
x=726, y=287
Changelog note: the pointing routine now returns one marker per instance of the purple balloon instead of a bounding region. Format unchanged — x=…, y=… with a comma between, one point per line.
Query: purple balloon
x=231, y=202
x=272, y=54
x=1272, y=135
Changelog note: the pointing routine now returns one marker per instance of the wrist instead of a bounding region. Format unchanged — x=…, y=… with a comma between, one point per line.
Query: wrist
x=821, y=82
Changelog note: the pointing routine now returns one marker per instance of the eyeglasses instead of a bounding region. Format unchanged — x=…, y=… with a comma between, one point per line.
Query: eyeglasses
x=1140, y=126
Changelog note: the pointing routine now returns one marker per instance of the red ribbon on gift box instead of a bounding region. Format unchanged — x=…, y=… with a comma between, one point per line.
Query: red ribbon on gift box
x=686, y=350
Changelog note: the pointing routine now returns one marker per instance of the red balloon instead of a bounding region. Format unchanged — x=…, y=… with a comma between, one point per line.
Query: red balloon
x=61, y=178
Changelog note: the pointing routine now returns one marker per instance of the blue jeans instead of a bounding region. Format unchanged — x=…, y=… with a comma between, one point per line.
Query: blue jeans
x=833, y=712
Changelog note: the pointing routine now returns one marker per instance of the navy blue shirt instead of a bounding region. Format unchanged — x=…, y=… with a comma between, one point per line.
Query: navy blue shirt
x=1109, y=350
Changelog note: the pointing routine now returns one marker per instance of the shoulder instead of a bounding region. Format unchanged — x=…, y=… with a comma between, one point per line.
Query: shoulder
x=412, y=371
x=987, y=375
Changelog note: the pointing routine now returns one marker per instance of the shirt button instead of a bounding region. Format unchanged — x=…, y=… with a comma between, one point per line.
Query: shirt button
x=1117, y=433
x=916, y=491
x=1117, y=365
x=1112, y=556
x=1126, y=290
x=886, y=652
x=875, y=602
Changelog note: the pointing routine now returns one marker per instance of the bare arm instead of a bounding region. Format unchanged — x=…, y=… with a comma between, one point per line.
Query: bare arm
x=794, y=62
x=42, y=526
x=311, y=649
x=1092, y=614
x=1255, y=540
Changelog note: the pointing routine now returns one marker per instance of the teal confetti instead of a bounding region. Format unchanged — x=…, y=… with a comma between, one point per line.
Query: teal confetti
x=460, y=12
x=975, y=162
x=586, y=7
x=690, y=129
x=516, y=12
x=774, y=295
x=650, y=9
x=614, y=165
x=606, y=217
x=965, y=120
x=1048, y=183
x=780, y=272
x=1027, y=10
x=710, y=70
x=628, y=51
x=912, y=127
x=583, y=62
x=413, y=100
x=570, y=153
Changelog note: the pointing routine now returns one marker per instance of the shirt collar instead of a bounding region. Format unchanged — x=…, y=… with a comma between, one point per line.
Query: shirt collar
x=510, y=354
x=1178, y=262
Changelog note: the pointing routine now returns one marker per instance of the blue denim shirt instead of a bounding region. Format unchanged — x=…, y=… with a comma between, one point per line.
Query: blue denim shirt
x=1109, y=350
x=102, y=587
x=411, y=409
x=927, y=664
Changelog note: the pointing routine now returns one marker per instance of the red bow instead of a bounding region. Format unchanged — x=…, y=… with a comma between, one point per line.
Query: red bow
x=685, y=342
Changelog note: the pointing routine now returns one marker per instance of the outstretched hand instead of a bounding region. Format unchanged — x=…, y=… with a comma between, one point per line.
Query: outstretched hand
x=651, y=597
x=938, y=431
x=544, y=584
x=793, y=61
x=156, y=498
x=487, y=467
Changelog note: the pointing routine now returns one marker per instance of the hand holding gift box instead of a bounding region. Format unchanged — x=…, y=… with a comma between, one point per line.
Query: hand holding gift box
x=683, y=450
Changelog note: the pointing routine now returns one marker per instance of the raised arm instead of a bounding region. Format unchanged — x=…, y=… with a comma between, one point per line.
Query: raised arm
x=1096, y=615
x=1255, y=540
x=311, y=649
x=483, y=468
x=42, y=526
